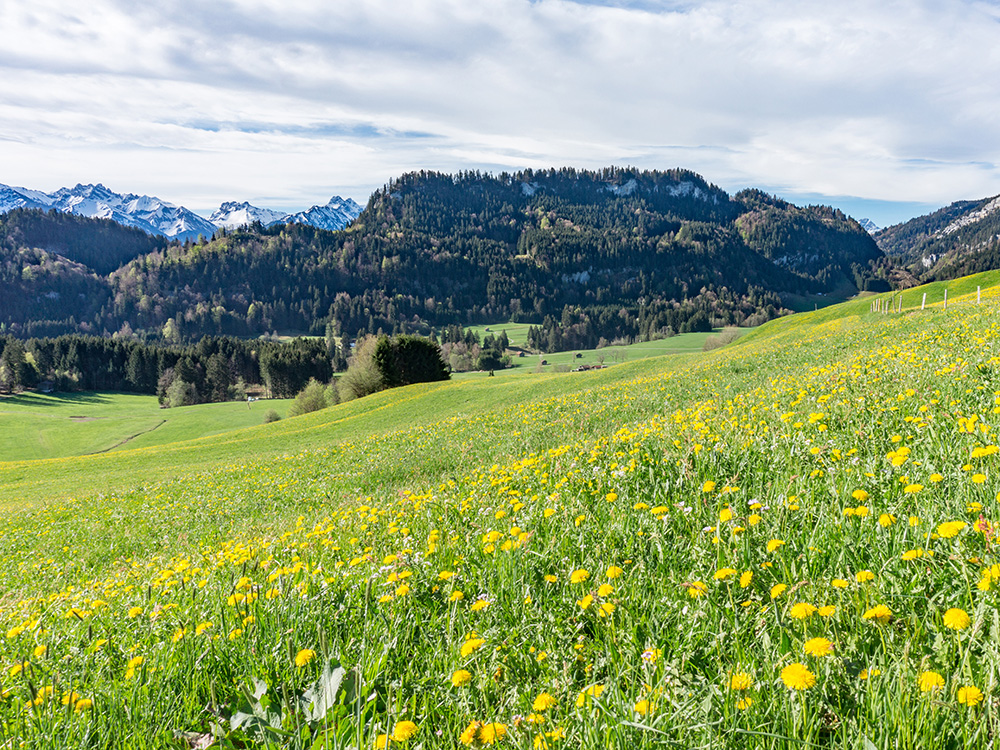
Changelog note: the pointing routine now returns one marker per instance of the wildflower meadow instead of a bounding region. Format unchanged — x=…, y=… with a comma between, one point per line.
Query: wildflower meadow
x=788, y=542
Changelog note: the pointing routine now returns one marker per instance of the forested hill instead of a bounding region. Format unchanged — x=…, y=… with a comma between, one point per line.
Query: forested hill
x=613, y=253
x=954, y=241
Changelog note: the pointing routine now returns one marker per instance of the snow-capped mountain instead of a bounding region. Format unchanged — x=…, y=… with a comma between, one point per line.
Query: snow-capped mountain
x=336, y=214
x=155, y=216
x=869, y=226
x=232, y=214
x=151, y=215
x=14, y=197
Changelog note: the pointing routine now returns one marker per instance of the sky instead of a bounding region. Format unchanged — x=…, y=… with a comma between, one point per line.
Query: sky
x=885, y=109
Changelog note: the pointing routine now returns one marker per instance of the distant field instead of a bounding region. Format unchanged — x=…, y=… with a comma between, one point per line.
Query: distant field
x=517, y=333
x=34, y=425
x=685, y=343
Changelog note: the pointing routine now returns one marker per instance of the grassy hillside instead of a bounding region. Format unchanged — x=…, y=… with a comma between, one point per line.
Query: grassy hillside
x=35, y=425
x=784, y=543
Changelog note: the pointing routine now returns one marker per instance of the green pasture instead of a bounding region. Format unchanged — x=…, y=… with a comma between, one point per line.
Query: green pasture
x=38, y=426
x=684, y=343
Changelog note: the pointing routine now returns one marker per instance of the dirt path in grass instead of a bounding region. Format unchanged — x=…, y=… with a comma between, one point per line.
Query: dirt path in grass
x=127, y=439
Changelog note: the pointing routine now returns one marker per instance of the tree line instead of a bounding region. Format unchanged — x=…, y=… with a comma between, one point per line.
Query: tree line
x=214, y=369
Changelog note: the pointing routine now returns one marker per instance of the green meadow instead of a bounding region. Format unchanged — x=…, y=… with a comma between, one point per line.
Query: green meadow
x=787, y=542
x=35, y=425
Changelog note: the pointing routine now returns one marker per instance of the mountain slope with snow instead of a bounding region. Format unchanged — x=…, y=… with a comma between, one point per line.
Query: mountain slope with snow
x=232, y=214
x=336, y=214
x=158, y=217
x=151, y=215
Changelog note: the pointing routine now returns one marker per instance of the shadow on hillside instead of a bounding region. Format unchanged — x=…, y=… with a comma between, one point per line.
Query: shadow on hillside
x=54, y=399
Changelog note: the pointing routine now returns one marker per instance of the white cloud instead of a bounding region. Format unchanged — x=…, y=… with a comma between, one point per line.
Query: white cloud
x=292, y=100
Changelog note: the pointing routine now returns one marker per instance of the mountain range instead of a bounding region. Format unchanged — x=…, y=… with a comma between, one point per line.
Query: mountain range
x=158, y=217
x=612, y=254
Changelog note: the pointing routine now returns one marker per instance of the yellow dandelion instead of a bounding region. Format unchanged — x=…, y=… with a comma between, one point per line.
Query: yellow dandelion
x=930, y=681
x=970, y=695
x=304, y=656
x=471, y=645
x=642, y=707
x=956, y=619
x=403, y=730
x=696, y=589
x=745, y=579
x=543, y=702
x=818, y=647
x=777, y=590
x=864, y=576
x=613, y=572
x=579, y=576
x=879, y=612
x=797, y=676
x=740, y=681
x=490, y=734
x=774, y=544
x=594, y=691
x=744, y=703
x=802, y=610
x=950, y=528
x=461, y=678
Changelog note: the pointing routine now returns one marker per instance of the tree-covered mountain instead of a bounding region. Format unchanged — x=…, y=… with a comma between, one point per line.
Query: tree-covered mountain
x=615, y=253
x=954, y=241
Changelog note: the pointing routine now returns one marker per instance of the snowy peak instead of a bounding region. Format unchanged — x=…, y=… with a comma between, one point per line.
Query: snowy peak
x=155, y=216
x=336, y=214
x=151, y=215
x=232, y=214
x=15, y=197
x=869, y=226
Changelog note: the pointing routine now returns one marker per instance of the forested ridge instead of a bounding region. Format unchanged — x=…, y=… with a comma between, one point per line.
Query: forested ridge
x=957, y=240
x=612, y=254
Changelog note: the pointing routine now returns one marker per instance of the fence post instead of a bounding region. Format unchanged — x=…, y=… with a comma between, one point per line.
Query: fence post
x=923, y=301
x=977, y=294
x=945, y=299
